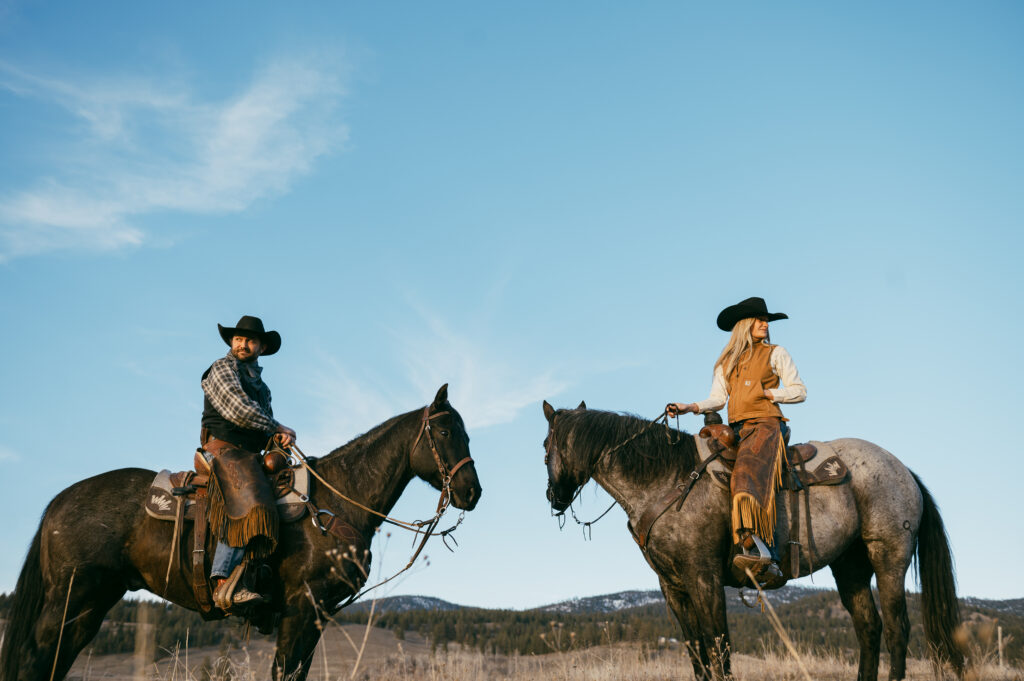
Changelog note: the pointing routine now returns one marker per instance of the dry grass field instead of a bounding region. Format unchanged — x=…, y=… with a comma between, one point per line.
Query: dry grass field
x=386, y=658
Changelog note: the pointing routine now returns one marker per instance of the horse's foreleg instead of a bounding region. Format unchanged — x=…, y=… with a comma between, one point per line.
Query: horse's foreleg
x=297, y=637
x=681, y=607
x=707, y=596
x=852, y=572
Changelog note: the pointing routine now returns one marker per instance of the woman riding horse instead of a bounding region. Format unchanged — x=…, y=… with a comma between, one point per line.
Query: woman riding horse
x=748, y=375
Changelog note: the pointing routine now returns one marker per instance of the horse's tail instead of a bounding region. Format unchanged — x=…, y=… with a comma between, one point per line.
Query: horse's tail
x=26, y=606
x=939, y=606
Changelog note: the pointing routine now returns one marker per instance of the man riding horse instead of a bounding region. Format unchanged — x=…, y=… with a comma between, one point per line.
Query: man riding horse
x=237, y=424
x=754, y=376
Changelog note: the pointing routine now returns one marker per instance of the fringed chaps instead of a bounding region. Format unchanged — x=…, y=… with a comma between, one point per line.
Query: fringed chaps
x=243, y=511
x=755, y=478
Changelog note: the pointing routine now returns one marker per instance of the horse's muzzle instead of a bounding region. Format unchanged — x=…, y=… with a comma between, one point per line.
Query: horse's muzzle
x=467, y=499
x=556, y=503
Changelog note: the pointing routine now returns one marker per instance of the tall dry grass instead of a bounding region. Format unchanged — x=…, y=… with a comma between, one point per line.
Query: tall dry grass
x=618, y=663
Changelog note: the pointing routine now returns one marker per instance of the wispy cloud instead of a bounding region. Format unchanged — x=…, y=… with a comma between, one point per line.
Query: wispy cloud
x=141, y=147
x=489, y=384
x=7, y=454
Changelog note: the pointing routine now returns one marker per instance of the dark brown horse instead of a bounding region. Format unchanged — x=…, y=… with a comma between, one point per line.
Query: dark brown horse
x=96, y=536
x=871, y=526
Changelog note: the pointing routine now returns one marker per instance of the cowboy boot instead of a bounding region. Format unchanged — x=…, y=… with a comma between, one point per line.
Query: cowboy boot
x=231, y=592
x=755, y=556
x=771, y=577
x=761, y=560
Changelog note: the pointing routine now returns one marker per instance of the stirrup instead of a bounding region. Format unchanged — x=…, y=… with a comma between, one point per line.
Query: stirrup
x=763, y=552
x=232, y=592
x=758, y=560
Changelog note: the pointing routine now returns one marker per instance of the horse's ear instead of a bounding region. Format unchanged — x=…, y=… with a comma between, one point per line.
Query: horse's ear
x=583, y=405
x=549, y=412
x=441, y=397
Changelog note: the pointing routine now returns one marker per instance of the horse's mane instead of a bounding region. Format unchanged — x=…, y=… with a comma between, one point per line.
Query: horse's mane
x=657, y=453
x=351, y=456
x=370, y=438
x=382, y=436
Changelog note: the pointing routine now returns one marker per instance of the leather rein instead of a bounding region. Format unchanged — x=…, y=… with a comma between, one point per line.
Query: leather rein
x=426, y=528
x=588, y=525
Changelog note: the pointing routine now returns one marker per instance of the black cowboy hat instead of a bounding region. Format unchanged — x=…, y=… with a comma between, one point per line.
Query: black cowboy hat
x=751, y=307
x=252, y=327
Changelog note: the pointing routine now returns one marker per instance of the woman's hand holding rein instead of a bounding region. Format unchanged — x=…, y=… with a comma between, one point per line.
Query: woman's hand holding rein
x=677, y=408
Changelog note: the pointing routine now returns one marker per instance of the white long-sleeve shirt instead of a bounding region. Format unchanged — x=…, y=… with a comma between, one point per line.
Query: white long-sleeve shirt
x=791, y=391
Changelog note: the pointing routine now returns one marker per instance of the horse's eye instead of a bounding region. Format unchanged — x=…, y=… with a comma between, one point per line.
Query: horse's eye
x=444, y=433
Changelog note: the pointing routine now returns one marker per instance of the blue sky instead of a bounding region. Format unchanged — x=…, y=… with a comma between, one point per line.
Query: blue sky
x=545, y=201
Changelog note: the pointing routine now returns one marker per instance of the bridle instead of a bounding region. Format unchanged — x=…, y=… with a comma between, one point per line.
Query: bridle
x=587, y=525
x=426, y=429
x=426, y=528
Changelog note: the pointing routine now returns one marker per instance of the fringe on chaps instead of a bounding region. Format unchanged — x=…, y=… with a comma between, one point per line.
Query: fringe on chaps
x=756, y=476
x=243, y=511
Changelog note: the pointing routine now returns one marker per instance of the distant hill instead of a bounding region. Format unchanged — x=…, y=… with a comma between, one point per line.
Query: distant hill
x=404, y=604
x=607, y=603
x=1013, y=606
x=625, y=600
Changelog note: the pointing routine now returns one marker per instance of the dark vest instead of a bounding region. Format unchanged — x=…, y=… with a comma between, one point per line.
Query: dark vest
x=219, y=427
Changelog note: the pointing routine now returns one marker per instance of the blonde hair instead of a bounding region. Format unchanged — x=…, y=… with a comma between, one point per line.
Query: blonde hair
x=739, y=344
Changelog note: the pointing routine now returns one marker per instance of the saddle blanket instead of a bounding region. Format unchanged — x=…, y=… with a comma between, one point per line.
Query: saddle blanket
x=823, y=468
x=162, y=504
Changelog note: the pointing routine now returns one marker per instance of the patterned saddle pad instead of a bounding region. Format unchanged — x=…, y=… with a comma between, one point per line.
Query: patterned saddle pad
x=289, y=486
x=826, y=468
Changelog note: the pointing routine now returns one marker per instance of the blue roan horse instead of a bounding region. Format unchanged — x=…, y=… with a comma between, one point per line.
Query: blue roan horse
x=871, y=525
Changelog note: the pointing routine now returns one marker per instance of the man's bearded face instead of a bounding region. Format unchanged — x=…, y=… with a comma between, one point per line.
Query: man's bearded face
x=245, y=349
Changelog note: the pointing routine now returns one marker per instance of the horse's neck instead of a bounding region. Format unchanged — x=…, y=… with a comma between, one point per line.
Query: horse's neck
x=375, y=473
x=630, y=495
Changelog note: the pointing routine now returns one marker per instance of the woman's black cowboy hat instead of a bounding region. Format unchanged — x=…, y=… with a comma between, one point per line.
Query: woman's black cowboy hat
x=252, y=327
x=751, y=307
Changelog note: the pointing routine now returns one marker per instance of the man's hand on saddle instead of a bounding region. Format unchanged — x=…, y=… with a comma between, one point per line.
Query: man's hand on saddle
x=678, y=408
x=284, y=436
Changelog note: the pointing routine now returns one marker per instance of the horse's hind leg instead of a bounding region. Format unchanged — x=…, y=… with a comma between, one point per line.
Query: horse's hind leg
x=852, y=571
x=80, y=616
x=891, y=562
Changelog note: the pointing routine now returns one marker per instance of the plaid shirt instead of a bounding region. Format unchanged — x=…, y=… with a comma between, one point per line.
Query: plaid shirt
x=224, y=389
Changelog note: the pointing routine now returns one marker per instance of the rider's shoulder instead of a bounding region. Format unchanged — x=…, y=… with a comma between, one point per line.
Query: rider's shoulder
x=779, y=352
x=226, y=362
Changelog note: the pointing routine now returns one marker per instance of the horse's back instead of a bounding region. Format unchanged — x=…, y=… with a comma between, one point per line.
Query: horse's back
x=93, y=519
x=889, y=502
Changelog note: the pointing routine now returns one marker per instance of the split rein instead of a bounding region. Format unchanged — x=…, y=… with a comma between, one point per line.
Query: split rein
x=424, y=528
x=588, y=525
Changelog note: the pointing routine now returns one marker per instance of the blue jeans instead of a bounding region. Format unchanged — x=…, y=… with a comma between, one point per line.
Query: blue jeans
x=225, y=558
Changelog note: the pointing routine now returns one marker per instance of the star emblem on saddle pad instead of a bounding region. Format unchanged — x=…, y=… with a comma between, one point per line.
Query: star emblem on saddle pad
x=160, y=502
x=832, y=468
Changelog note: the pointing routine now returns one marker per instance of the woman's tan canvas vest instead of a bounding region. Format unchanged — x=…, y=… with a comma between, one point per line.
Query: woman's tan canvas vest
x=747, y=383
